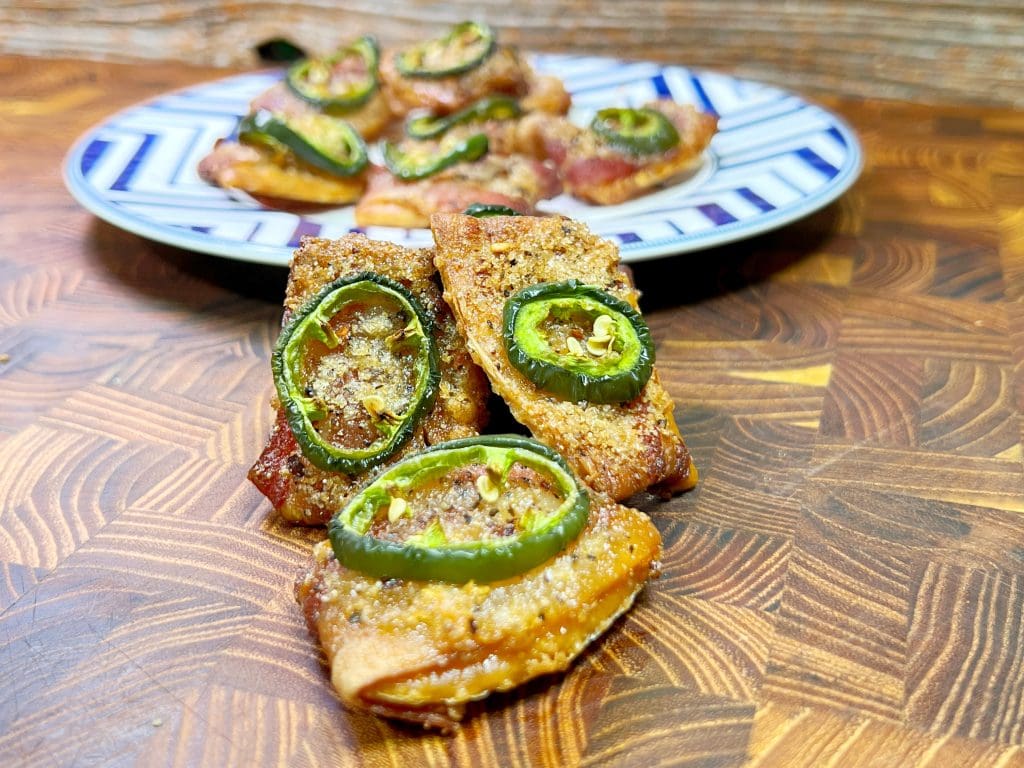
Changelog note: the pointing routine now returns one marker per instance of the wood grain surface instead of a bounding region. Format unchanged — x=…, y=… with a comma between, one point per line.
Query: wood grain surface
x=946, y=51
x=844, y=588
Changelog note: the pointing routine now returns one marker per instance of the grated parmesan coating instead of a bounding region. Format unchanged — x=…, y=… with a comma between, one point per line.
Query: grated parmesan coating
x=302, y=492
x=420, y=651
x=618, y=448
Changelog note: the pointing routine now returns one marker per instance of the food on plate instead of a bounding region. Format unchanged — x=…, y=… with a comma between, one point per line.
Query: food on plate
x=369, y=367
x=469, y=568
x=344, y=84
x=309, y=157
x=588, y=334
x=624, y=152
x=460, y=110
x=448, y=73
x=514, y=181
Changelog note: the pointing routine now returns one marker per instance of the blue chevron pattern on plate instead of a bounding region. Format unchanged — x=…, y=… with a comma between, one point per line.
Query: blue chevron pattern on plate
x=775, y=159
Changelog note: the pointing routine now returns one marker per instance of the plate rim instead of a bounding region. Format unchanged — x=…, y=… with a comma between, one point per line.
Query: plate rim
x=280, y=255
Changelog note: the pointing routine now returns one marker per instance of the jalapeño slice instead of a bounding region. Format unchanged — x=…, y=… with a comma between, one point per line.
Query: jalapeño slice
x=355, y=370
x=578, y=342
x=635, y=131
x=489, y=108
x=321, y=141
x=486, y=210
x=412, y=160
x=332, y=83
x=478, y=509
x=465, y=47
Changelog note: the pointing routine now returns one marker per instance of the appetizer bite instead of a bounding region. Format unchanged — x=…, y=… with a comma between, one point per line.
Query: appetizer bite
x=448, y=73
x=554, y=324
x=311, y=158
x=624, y=152
x=469, y=568
x=428, y=176
x=369, y=367
x=344, y=84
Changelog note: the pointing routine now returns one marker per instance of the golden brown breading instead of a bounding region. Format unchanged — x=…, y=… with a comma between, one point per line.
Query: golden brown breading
x=616, y=448
x=420, y=651
x=304, y=493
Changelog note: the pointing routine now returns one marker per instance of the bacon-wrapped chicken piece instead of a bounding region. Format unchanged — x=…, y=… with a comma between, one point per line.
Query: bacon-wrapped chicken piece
x=553, y=322
x=625, y=152
x=344, y=84
x=519, y=569
x=513, y=181
x=369, y=368
x=448, y=73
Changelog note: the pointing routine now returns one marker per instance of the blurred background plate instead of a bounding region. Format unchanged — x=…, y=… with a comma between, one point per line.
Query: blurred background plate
x=775, y=159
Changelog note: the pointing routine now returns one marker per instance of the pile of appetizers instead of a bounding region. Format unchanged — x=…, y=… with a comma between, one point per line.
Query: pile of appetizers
x=457, y=562
x=460, y=119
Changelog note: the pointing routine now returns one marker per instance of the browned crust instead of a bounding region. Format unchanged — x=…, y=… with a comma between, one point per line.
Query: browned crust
x=420, y=651
x=619, y=449
x=311, y=495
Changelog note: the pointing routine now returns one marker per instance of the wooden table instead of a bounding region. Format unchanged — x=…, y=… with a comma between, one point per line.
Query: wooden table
x=845, y=587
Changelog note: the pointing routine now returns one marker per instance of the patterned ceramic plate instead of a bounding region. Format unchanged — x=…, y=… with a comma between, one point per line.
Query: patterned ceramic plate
x=776, y=158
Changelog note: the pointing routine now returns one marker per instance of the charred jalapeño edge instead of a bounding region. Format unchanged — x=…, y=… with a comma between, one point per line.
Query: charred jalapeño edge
x=486, y=210
x=481, y=561
x=413, y=165
x=300, y=409
x=309, y=79
x=489, y=108
x=477, y=48
x=570, y=376
x=324, y=142
x=643, y=131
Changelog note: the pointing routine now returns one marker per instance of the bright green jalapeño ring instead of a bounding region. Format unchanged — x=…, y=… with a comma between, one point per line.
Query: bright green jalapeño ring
x=636, y=131
x=489, y=108
x=465, y=47
x=305, y=408
x=540, y=537
x=324, y=142
x=315, y=79
x=603, y=354
x=418, y=160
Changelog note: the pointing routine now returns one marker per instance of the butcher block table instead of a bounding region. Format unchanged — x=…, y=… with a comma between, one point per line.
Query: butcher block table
x=845, y=587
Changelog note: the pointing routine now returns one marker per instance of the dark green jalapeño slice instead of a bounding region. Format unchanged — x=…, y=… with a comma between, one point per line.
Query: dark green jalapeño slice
x=578, y=342
x=413, y=160
x=340, y=82
x=479, y=509
x=322, y=141
x=486, y=210
x=635, y=131
x=489, y=108
x=355, y=370
x=465, y=47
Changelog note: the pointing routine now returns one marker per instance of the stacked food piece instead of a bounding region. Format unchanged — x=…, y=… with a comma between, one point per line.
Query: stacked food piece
x=461, y=563
x=458, y=119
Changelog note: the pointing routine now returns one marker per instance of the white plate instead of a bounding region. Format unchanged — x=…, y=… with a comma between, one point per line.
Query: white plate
x=775, y=159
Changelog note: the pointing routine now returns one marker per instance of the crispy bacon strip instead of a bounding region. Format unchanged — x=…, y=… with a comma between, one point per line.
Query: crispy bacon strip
x=421, y=651
x=304, y=493
x=618, y=448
